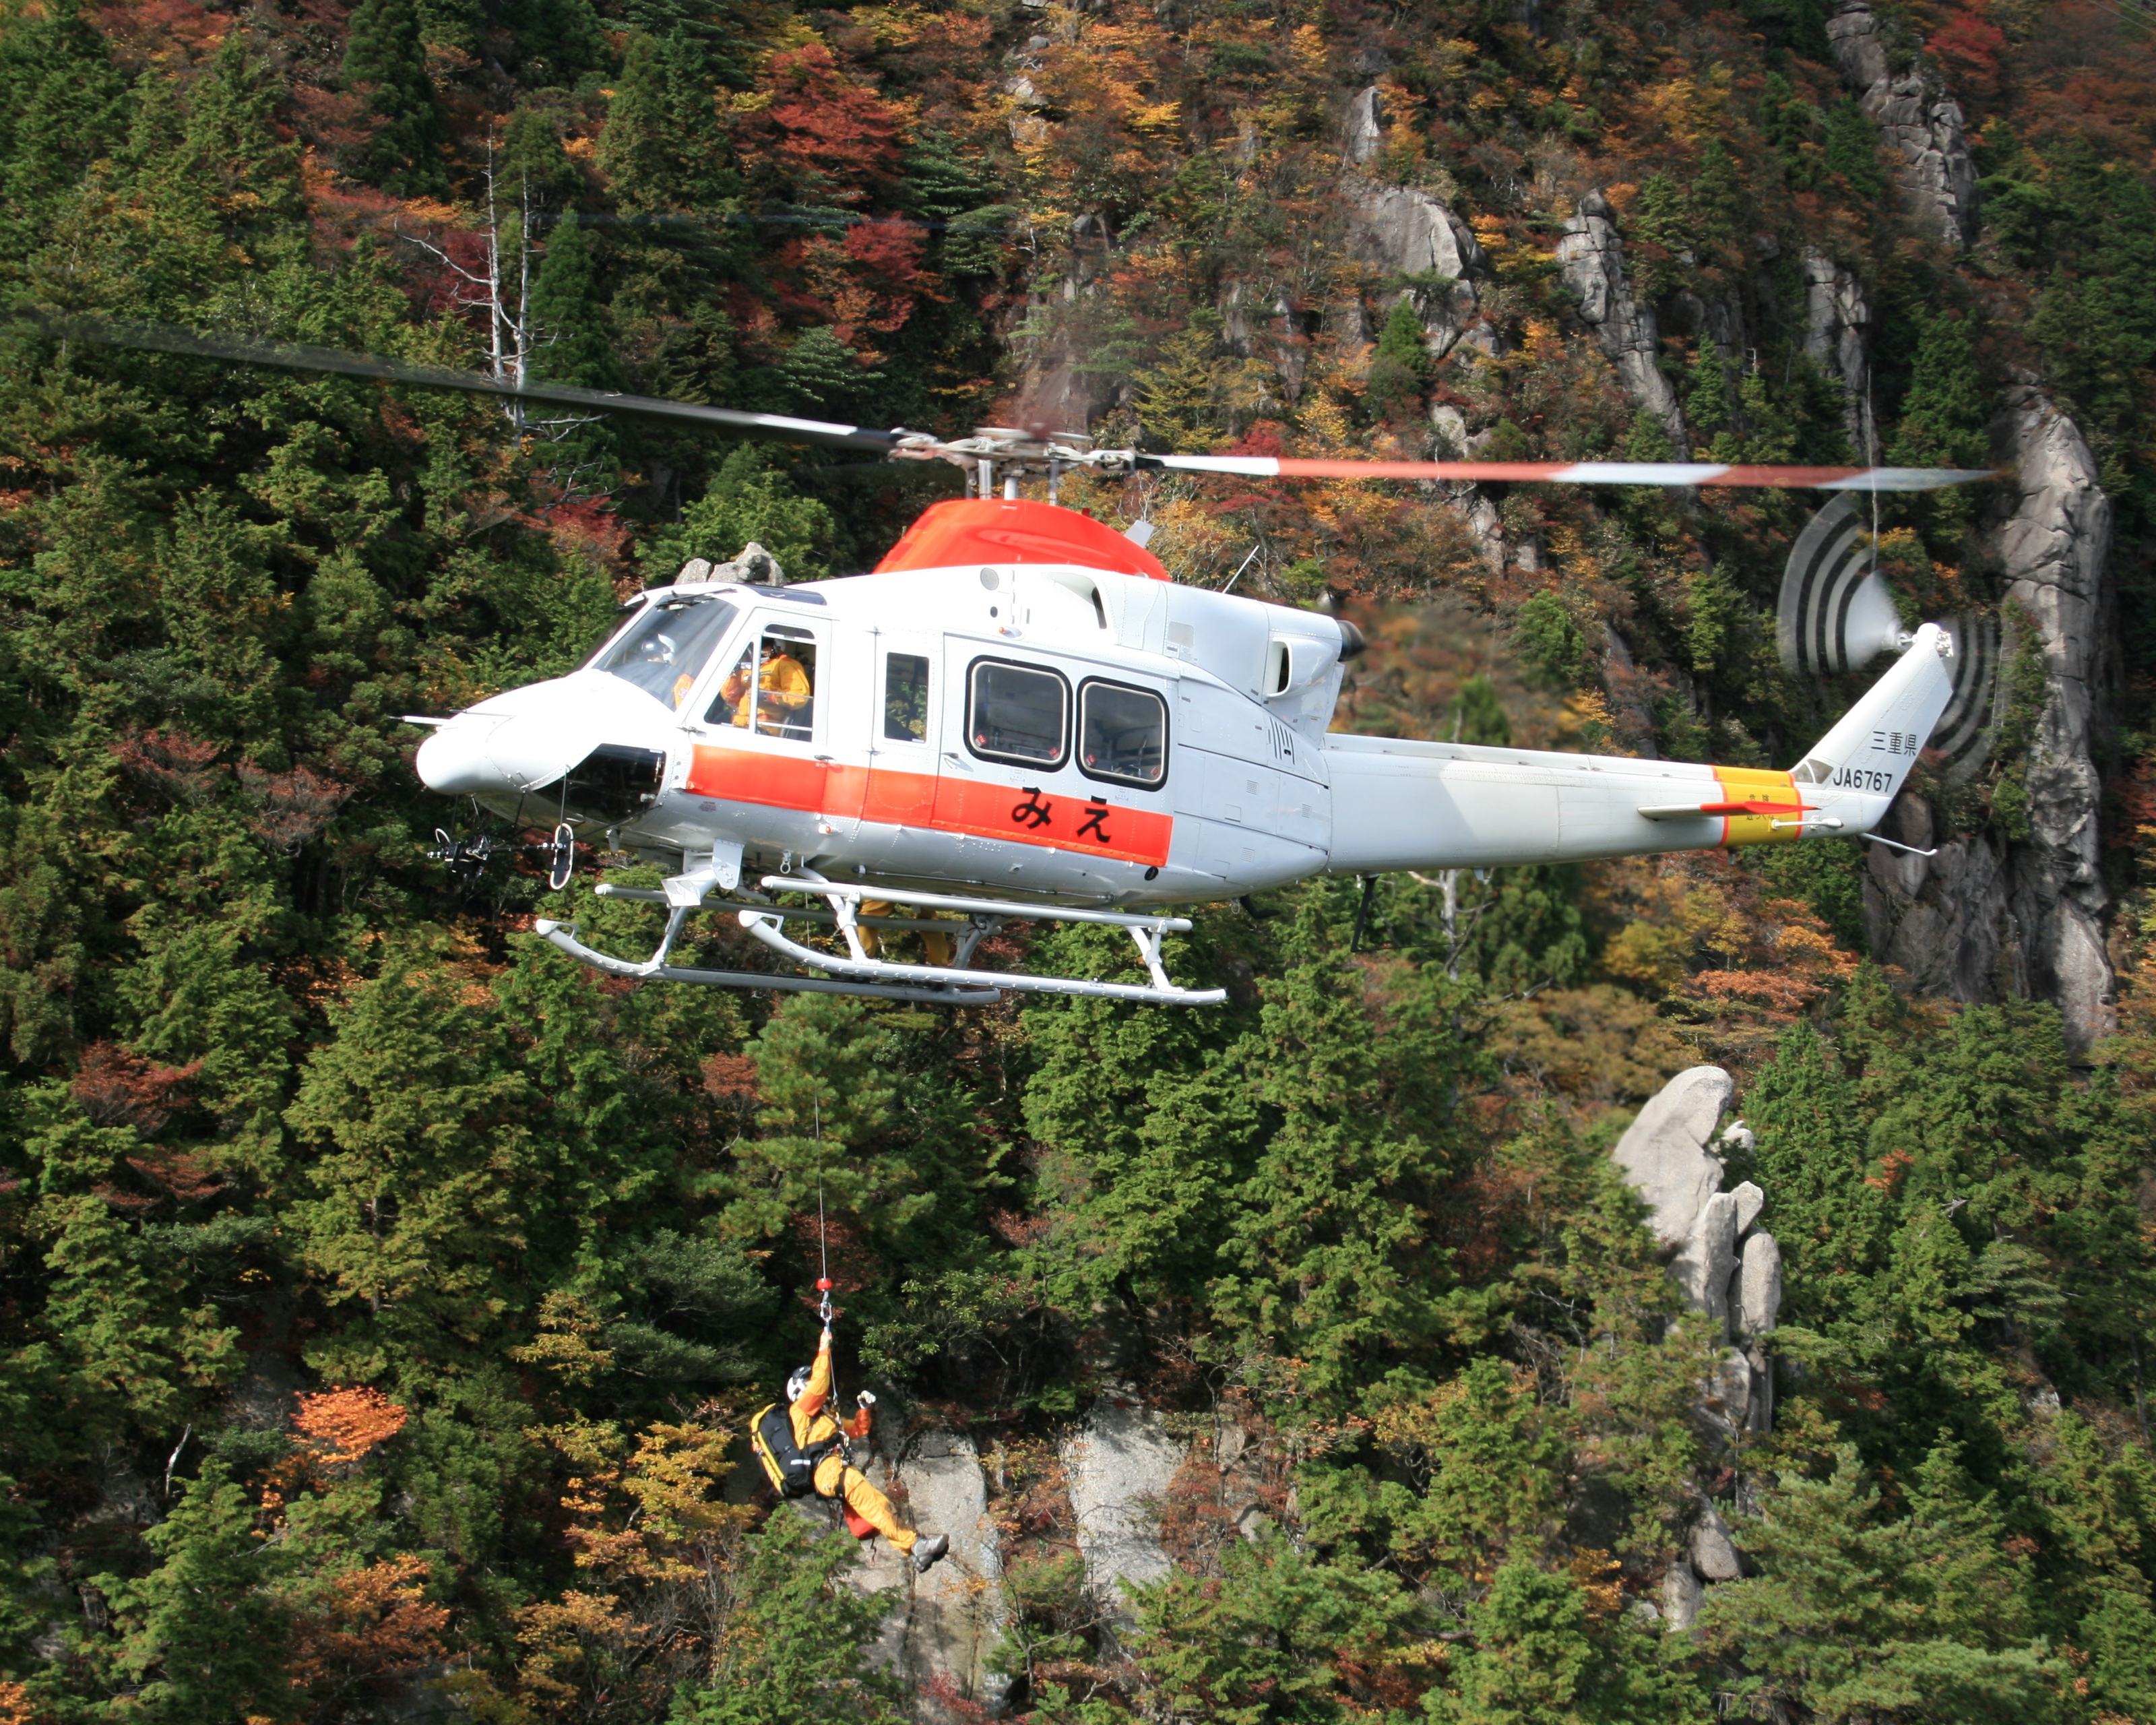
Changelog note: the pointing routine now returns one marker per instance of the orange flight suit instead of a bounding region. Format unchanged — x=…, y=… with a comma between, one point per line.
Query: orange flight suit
x=781, y=678
x=812, y=1425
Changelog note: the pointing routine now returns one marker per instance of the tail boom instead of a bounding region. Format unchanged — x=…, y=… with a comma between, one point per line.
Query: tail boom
x=1404, y=805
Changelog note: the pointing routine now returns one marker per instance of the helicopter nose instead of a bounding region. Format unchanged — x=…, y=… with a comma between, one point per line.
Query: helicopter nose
x=478, y=752
x=453, y=760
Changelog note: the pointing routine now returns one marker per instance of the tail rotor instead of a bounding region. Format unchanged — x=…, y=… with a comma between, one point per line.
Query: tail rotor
x=1836, y=613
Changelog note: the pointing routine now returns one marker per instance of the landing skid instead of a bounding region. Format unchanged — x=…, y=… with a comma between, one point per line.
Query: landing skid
x=860, y=972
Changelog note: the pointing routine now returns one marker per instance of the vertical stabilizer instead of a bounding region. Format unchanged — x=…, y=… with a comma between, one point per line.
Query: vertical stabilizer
x=1856, y=769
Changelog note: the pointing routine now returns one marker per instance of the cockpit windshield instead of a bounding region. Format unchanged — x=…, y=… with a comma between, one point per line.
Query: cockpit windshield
x=663, y=650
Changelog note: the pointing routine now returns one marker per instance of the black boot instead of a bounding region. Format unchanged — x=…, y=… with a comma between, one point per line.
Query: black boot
x=925, y=1551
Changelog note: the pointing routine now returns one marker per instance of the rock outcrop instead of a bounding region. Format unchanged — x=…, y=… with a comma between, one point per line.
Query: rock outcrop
x=1918, y=122
x=939, y=1635
x=1591, y=258
x=1404, y=231
x=1664, y=1153
x=1117, y=1467
x=1730, y=1273
x=1837, y=327
x=1704, y=1267
x=1365, y=129
x=1987, y=915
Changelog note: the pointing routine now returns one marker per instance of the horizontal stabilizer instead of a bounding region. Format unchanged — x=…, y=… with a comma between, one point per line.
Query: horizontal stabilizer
x=1691, y=811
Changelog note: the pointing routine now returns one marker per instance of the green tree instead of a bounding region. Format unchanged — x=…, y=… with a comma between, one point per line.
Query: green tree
x=63, y=107
x=1852, y=152
x=386, y=63
x=1538, y=1657
x=202, y=1636
x=1399, y=368
x=421, y=1199
x=1267, y=1641
x=796, y=1631
x=748, y=499
x=1859, y=1614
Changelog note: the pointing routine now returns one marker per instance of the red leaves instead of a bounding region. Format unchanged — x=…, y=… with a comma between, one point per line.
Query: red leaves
x=1968, y=45
x=834, y=138
x=117, y=1088
x=731, y=1077
x=291, y=808
x=179, y=767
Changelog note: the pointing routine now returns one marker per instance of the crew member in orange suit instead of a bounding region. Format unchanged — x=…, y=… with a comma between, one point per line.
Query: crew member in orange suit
x=809, y=1392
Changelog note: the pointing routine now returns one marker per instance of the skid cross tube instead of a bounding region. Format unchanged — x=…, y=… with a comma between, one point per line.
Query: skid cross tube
x=984, y=915
x=564, y=936
x=763, y=925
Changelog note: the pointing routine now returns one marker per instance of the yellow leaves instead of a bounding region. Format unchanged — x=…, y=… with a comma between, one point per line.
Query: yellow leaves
x=646, y=1525
x=1650, y=956
x=1452, y=58
x=16, y=1707
x=561, y=1347
x=1601, y=1578
x=1424, y=1424
x=561, y=1637
x=1685, y=111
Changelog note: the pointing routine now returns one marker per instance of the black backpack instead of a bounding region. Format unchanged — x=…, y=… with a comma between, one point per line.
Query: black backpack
x=791, y=1472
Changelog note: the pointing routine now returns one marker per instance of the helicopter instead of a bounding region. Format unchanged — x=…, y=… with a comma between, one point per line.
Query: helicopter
x=1018, y=714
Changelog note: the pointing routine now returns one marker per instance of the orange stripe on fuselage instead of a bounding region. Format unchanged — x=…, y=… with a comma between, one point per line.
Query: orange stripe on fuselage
x=1752, y=784
x=1091, y=827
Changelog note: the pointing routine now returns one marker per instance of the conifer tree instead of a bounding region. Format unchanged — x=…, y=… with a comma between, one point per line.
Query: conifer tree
x=798, y=1630
x=1399, y=368
x=558, y=42
x=1858, y=1611
x=230, y=151
x=62, y=107
x=385, y=62
x=749, y=499
x=634, y=151
x=566, y=315
x=1852, y=152
x=202, y=1635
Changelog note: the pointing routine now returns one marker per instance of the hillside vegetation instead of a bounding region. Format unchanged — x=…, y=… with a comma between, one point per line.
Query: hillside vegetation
x=381, y=1294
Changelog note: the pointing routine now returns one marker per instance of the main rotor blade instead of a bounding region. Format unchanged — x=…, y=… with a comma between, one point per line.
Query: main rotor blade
x=299, y=357
x=1580, y=473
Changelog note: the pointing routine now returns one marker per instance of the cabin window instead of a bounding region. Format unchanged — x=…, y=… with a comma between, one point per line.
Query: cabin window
x=1017, y=712
x=772, y=688
x=906, y=697
x=1122, y=734
x=663, y=650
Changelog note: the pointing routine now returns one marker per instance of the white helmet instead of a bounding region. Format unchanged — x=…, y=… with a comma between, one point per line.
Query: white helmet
x=797, y=1386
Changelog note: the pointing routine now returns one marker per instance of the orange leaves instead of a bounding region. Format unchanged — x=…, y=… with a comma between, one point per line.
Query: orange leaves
x=16, y=1707
x=868, y=278
x=364, y=1625
x=343, y=1425
x=337, y=1429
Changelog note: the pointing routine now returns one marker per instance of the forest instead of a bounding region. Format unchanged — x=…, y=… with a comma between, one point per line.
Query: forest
x=383, y=1296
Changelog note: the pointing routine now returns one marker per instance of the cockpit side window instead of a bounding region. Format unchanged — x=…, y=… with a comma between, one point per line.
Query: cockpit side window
x=663, y=651
x=772, y=688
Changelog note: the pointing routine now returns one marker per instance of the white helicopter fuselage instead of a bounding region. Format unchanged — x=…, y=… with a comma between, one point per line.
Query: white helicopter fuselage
x=1076, y=735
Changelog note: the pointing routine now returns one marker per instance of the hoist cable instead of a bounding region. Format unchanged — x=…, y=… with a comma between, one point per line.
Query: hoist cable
x=823, y=1246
